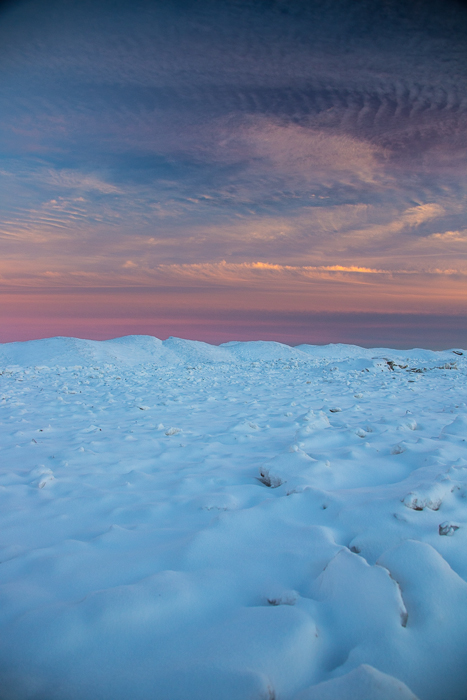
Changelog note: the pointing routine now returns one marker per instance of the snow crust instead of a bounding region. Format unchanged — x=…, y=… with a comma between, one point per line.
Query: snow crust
x=363, y=682
x=248, y=521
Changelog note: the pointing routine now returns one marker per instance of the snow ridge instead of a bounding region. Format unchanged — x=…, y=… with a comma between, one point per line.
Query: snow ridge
x=134, y=350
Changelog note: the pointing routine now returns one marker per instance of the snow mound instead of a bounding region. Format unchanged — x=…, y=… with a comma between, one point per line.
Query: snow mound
x=194, y=351
x=363, y=683
x=128, y=351
x=336, y=351
x=457, y=427
x=263, y=350
x=69, y=352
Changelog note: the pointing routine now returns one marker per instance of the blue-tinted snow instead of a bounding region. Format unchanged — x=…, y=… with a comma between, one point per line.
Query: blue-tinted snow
x=179, y=520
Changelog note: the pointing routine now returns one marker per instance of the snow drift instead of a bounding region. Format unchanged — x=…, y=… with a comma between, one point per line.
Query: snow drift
x=239, y=522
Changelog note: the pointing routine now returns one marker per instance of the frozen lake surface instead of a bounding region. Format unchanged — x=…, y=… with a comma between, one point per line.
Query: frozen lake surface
x=180, y=521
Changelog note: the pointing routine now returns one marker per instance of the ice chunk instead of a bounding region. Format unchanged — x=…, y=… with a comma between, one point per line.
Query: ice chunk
x=173, y=431
x=447, y=528
x=428, y=495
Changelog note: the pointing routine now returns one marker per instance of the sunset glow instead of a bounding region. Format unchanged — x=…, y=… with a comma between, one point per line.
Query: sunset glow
x=234, y=170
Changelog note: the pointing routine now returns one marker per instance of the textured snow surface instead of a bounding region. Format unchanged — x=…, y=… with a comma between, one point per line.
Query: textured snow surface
x=180, y=521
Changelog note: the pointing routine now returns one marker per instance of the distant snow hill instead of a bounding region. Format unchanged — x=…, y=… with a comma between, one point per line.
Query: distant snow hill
x=135, y=350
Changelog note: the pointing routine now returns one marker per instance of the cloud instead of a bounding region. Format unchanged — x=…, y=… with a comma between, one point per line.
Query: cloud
x=75, y=180
x=450, y=236
x=403, y=223
x=304, y=156
x=224, y=272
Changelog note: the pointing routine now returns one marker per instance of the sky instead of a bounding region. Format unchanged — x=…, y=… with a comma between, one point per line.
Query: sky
x=234, y=170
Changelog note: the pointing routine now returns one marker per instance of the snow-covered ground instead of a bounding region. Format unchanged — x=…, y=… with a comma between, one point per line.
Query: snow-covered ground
x=180, y=521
